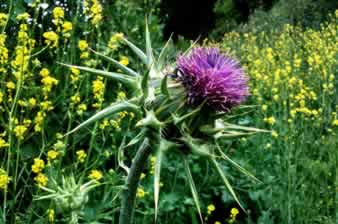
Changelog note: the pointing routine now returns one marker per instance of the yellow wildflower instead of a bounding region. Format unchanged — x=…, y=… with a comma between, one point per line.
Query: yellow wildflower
x=95, y=175
x=335, y=122
x=4, y=179
x=10, y=85
x=41, y=179
x=98, y=88
x=32, y=102
x=211, y=208
x=23, y=16
x=66, y=27
x=52, y=154
x=52, y=38
x=81, y=108
x=234, y=212
x=115, y=40
x=75, y=99
x=140, y=193
x=124, y=60
x=270, y=120
x=81, y=155
x=58, y=12
x=51, y=215
x=3, y=19
x=274, y=134
x=38, y=165
x=83, y=45
x=3, y=143
x=20, y=131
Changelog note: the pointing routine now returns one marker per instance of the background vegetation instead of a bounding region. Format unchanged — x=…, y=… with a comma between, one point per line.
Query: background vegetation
x=289, y=51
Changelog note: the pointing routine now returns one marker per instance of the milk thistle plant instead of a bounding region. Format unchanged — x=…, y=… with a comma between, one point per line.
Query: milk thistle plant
x=177, y=112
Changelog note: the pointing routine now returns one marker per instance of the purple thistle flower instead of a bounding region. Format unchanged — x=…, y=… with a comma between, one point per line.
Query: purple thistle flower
x=210, y=76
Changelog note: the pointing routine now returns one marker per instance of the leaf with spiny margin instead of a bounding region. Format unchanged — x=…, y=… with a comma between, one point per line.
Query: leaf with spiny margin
x=232, y=134
x=120, y=155
x=193, y=188
x=243, y=128
x=137, y=51
x=137, y=138
x=127, y=80
x=110, y=110
x=226, y=182
x=145, y=85
x=164, y=86
x=240, y=168
x=149, y=49
x=162, y=57
x=124, y=68
x=196, y=146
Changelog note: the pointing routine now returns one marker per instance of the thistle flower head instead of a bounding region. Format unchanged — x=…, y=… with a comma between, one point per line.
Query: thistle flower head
x=212, y=77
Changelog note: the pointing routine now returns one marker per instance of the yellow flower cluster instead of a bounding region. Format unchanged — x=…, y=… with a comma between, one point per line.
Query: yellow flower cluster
x=3, y=19
x=140, y=193
x=38, y=165
x=293, y=74
x=3, y=143
x=81, y=156
x=98, y=87
x=3, y=53
x=52, y=155
x=62, y=26
x=124, y=60
x=115, y=41
x=20, y=131
x=52, y=39
x=95, y=175
x=48, y=81
x=233, y=214
x=83, y=46
x=93, y=9
x=4, y=180
x=211, y=208
x=58, y=14
x=23, y=16
x=41, y=179
x=51, y=215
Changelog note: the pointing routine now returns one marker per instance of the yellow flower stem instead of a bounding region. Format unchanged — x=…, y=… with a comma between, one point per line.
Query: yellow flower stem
x=10, y=139
x=9, y=14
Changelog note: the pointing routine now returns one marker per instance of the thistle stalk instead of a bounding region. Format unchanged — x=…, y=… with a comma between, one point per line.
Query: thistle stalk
x=133, y=179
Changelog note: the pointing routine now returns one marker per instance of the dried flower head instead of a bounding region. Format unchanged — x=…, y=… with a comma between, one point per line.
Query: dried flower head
x=212, y=77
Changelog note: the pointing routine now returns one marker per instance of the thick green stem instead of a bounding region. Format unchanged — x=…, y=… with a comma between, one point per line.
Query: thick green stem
x=129, y=194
